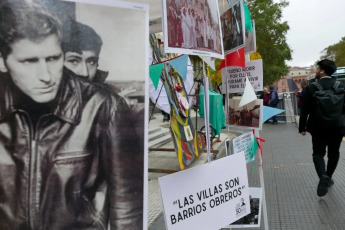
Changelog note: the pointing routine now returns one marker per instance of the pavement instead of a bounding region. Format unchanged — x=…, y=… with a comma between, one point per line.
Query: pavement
x=289, y=176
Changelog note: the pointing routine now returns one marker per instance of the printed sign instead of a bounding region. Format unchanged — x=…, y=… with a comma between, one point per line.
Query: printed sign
x=234, y=77
x=245, y=144
x=208, y=196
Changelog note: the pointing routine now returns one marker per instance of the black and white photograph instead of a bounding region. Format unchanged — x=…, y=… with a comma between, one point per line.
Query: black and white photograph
x=253, y=219
x=250, y=43
x=232, y=22
x=73, y=119
x=192, y=27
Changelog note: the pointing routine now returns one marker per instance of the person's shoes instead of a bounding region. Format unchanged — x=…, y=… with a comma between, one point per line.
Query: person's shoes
x=275, y=122
x=324, y=183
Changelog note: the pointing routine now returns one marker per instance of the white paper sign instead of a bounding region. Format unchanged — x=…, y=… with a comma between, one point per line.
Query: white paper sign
x=244, y=144
x=234, y=77
x=208, y=197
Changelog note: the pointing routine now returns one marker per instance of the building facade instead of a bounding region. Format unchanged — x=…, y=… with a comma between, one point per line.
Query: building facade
x=298, y=75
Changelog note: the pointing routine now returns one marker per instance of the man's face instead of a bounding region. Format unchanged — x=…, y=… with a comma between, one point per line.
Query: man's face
x=317, y=74
x=84, y=64
x=36, y=67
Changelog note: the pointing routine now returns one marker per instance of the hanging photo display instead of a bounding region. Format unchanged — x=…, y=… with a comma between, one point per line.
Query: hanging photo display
x=192, y=27
x=249, y=115
x=233, y=29
x=250, y=44
x=73, y=127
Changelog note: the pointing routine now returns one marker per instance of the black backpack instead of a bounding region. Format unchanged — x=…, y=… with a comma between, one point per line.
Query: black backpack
x=329, y=106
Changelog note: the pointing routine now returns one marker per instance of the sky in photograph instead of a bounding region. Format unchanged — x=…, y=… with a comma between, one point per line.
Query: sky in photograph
x=314, y=25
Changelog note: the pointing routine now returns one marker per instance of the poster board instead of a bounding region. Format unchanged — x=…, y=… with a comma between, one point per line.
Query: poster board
x=234, y=77
x=248, y=116
x=244, y=144
x=109, y=19
x=250, y=44
x=207, y=196
x=233, y=28
x=192, y=27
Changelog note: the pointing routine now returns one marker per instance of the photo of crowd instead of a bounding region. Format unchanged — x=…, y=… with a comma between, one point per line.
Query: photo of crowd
x=191, y=25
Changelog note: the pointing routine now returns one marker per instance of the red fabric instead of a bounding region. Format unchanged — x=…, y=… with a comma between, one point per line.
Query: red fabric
x=235, y=58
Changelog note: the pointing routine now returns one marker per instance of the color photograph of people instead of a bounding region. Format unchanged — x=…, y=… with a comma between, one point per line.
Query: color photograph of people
x=248, y=115
x=193, y=24
x=232, y=28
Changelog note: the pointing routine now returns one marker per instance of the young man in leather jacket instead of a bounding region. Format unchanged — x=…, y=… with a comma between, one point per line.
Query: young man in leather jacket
x=82, y=46
x=65, y=162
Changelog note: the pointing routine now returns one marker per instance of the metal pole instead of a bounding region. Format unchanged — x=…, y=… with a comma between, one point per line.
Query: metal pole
x=207, y=121
x=262, y=185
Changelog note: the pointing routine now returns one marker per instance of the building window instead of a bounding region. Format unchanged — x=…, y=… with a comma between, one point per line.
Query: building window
x=283, y=83
x=284, y=90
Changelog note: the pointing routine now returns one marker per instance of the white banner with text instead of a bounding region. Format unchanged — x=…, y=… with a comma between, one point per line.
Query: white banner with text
x=209, y=196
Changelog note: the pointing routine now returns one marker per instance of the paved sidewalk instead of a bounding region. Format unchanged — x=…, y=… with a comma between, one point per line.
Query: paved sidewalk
x=290, y=184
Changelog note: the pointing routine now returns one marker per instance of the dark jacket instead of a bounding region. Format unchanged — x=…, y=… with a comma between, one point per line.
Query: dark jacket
x=100, y=76
x=77, y=170
x=308, y=105
x=274, y=99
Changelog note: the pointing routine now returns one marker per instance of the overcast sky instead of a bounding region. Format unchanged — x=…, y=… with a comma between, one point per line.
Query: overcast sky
x=314, y=25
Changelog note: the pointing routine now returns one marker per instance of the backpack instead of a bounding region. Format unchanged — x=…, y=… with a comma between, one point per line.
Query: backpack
x=329, y=106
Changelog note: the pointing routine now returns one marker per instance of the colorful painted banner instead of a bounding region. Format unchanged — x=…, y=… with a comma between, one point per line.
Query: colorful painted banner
x=188, y=143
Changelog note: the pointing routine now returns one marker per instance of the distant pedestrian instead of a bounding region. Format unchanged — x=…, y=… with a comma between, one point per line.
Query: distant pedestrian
x=266, y=96
x=322, y=135
x=300, y=95
x=273, y=102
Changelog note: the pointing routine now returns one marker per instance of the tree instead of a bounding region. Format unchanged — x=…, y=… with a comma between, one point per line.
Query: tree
x=271, y=37
x=335, y=52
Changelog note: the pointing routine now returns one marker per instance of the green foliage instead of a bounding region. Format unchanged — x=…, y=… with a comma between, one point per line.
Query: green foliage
x=271, y=37
x=335, y=52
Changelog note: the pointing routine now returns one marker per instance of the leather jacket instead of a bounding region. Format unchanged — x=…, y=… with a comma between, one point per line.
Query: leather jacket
x=77, y=170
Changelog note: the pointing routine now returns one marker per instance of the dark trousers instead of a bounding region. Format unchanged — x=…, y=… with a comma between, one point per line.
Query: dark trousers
x=320, y=141
x=274, y=118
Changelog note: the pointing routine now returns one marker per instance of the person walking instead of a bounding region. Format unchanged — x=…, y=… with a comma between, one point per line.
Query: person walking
x=322, y=135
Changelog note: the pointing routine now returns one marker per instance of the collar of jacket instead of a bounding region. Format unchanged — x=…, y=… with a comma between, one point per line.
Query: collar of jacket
x=68, y=100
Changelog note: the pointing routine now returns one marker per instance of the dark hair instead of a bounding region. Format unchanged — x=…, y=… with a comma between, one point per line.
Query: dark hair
x=271, y=87
x=22, y=21
x=79, y=37
x=303, y=82
x=328, y=66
